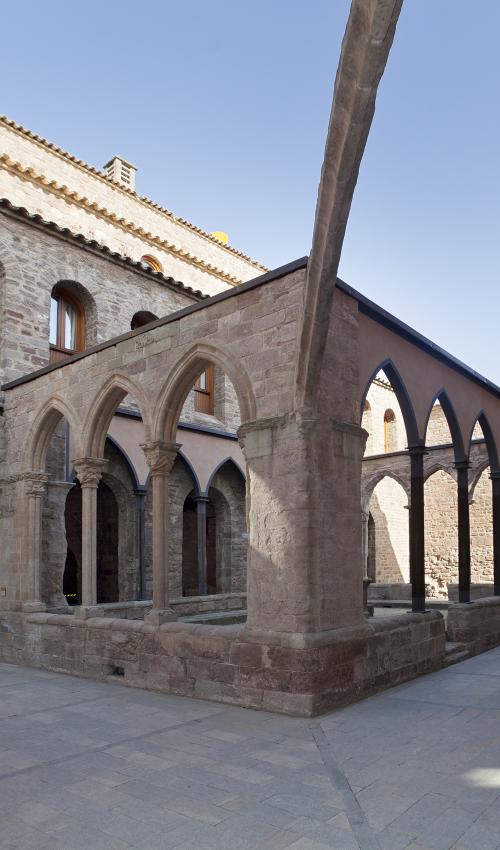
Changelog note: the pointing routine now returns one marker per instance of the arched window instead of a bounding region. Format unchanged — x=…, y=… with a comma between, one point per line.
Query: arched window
x=67, y=325
x=152, y=262
x=204, y=392
x=143, y=317
x=390, y=432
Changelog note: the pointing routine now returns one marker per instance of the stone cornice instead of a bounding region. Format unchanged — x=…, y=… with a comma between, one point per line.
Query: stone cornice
x=92, y=207
x=96, y=174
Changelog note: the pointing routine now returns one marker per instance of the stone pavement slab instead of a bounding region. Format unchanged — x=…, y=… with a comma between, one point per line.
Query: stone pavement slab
x=95, y=766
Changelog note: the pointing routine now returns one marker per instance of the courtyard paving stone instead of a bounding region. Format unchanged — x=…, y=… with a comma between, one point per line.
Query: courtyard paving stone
x=99, y=766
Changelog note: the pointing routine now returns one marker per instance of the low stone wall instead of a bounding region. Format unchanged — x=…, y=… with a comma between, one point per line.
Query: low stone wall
x=378, y=590
x=477, y=591
x=183, y=607
x=475, y=623
x=293, y=674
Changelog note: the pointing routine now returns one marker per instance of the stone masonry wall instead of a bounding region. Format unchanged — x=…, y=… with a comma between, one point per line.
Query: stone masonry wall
x=69, y=211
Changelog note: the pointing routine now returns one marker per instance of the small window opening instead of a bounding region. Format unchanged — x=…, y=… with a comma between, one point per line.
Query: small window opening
x=67, y=325
x=204, y=392
x=152, y=262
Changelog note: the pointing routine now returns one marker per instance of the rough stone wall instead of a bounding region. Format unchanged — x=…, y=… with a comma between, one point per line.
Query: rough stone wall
x=438, y=431
x=38, y=261
x=441, y=534
x=390, y=533
x=68, y=211
x=481, y=530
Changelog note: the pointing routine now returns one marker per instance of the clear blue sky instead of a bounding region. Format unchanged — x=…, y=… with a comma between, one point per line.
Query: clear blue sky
x=224, y=106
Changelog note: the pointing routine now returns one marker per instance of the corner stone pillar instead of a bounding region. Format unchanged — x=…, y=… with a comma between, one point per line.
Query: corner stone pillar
x=160, y=457
x=305, y=570
x=35, y=490
x=89, y=471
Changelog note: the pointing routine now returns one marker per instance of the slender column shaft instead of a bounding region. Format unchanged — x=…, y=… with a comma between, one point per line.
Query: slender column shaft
x=89, y=472
x=463, y=533
x=495, y=496
x=140, y=496
x=364, y=542
x=36, y=488
x=201, y=520
x=417, y=529
x=89, y=544
x=160, y=457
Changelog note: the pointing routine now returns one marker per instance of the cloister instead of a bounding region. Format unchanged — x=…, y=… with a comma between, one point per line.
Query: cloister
x=301, y=349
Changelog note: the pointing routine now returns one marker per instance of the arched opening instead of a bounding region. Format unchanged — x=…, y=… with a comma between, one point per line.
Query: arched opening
x=190, y=583
x=141, y=318
x=72, y=320
x=441, y=538
x=152, y=262
x=388, y=533
x=72, y=577
x=390, y=432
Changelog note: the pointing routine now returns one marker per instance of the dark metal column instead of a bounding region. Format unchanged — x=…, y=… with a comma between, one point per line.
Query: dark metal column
x=495, y=500
x=462, y=468
x=417, y=529
x=201, y=519
x=140, y=498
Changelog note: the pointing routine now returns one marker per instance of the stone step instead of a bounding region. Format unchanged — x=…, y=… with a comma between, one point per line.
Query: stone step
x=455, y=652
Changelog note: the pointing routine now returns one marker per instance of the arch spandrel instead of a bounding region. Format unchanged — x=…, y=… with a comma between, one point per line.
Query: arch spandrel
x=181, y=378
x=103, y=407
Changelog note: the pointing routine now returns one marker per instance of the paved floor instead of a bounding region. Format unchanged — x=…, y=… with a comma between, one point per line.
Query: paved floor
x=86, y=765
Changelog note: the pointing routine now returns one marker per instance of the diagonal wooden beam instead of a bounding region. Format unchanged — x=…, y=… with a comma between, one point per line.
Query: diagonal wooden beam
x=365, y=49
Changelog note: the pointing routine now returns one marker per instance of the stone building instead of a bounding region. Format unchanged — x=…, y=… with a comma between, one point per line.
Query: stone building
x=163, y=452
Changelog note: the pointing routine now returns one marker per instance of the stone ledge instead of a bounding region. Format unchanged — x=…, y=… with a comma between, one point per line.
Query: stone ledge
x=476, y=624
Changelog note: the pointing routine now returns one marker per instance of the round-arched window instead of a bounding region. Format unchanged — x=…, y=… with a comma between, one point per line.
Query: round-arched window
x=67, y=325
x=152, y=262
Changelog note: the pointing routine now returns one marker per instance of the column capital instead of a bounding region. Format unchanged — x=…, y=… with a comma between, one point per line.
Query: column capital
x=495, y=476
x=89, y=470
x=418, y=449
x=160, y=456
x=35, y=483
x=201, y=498
x=462, y=464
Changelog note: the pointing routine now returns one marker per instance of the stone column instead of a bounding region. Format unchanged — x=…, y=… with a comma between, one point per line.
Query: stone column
x=463, y=531
x=140, y=498
x=417, y=528
x=160, y=457
x=305, y=569
x=495, y=498
x=201, y=528
x=35, y=489
x=89, y=471
x=364, y=541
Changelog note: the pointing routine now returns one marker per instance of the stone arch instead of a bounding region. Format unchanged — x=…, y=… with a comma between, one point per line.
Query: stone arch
x=441, y=532
x=141, y=318
x=46, y=421
x=388, y=533
x=387, y=366
x=438, y=466
x=230, y=460
x=451, y=419
x=181, y=379
x=102, y=409
x=227, y=490
x=482, y=420
x=369, y=486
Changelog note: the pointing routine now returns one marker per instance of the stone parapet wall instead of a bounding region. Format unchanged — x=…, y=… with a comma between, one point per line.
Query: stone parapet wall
x=220, y=663
x=476, y=624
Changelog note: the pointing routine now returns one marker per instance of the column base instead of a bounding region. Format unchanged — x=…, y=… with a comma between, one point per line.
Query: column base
x=158, y=616
x=33, y=606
